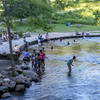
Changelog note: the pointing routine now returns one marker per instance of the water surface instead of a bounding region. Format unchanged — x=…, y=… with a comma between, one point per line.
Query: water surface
x=84, y=84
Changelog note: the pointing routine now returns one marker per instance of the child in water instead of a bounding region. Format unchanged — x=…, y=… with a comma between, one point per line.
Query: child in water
x=69, y=63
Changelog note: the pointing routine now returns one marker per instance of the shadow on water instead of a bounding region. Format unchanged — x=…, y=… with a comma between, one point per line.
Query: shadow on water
x=84, y=84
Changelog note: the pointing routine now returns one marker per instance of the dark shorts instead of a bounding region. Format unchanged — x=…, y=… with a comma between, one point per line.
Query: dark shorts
x=26, y=59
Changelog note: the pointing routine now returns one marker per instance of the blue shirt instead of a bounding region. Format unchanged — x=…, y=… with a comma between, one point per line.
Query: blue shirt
x=69, y=61
x=26, y=54
x=41, y=39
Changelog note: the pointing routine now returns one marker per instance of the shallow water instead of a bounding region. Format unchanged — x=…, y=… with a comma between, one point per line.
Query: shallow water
x=84, y=84
x=4, y=64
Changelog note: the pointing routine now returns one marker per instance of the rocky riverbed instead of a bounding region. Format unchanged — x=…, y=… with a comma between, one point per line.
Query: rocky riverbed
x=22, y=80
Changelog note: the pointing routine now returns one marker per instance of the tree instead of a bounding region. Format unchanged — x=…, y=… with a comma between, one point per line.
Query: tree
x=60, y=4
x=96, y=13
x=5, y=5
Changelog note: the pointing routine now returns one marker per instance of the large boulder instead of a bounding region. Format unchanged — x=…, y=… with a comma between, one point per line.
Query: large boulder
x=3, y=89
x=12, y=85
x=4, y=73
x=6, y=82
x=9, y=83
x=23, y=80
x=9, y=68
x=27, y=83
x=32, y=75
x=20, y=79
x=24, y=67
x=5, y=95
x=19, y=70
x=1, y=76
x=20, y=88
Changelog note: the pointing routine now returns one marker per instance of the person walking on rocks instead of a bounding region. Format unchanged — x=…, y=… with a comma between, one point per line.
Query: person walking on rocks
x=26, y=57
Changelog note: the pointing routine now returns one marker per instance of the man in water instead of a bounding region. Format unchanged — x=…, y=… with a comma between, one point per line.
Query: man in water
x=69, y=63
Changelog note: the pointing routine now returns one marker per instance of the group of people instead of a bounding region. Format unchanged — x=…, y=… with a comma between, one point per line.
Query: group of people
x=37, y=59
x=13, y=36
x=82, y=34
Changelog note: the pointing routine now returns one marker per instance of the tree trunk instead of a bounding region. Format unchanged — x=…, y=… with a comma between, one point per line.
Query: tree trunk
x=9, y=36
x=21, y=20
x=50, y=20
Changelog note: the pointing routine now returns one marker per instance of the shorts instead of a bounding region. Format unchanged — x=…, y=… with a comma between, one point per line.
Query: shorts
x=26, y=59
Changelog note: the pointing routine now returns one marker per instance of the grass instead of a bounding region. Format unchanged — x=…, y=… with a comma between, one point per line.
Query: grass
x=60, y=28
x=74, y=28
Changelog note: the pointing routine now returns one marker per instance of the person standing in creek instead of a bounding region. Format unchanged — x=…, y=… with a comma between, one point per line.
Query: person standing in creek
x=69, y=63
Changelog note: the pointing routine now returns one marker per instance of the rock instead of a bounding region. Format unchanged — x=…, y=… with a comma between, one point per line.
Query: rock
x=16, y=73
x=1, y=76
x=49, y=97
x=20, y=88
x=3, y=89
x=1, y=82
x=20, y=79
x=19, y=70
x=23, y=80
x=9, y=68
x=12, y=85
x=5, y=95
x=32, y=75
x=9, y=83
x=27, y=83
x=6, y=82
x=14, y=99
x=4, y=73
x=25, y=67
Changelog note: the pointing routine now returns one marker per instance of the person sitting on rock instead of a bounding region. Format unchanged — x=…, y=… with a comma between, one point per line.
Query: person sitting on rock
x=16, y=50
x=4, y=36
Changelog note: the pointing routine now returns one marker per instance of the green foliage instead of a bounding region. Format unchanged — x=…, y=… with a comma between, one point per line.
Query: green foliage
x=75, y=16
x=48, y=28
x=37, y=14
x=97, y=16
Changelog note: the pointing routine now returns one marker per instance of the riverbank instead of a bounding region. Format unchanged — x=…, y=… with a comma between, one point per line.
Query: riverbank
x=4, y=47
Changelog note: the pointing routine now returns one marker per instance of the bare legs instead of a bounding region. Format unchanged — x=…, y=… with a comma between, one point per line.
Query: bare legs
x=69, y=68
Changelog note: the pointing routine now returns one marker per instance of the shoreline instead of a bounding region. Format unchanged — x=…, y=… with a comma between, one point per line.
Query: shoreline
x=4, y=48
